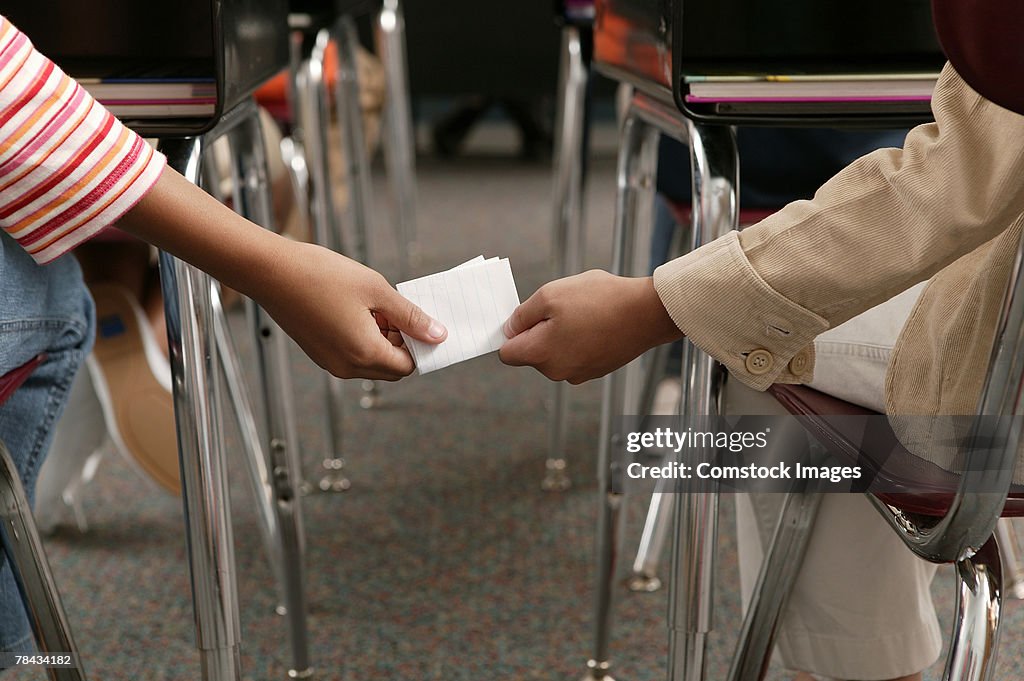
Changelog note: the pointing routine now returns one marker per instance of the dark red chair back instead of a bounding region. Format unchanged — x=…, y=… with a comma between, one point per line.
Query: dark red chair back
x=984, y=41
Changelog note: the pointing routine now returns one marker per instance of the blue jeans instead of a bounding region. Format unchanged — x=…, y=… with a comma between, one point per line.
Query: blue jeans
x=42, y=309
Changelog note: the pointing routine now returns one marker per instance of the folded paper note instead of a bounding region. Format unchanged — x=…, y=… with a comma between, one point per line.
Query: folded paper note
x=472, y=300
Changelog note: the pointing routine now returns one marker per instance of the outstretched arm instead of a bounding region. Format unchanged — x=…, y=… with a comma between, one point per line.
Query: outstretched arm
x=886, y=222
x=69, y=169
x=341, y=313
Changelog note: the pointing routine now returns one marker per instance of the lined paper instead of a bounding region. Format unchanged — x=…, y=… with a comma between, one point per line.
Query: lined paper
x=473, y=301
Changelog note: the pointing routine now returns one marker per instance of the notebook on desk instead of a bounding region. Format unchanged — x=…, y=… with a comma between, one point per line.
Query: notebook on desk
x=840, y=93
x=748, y=61
x=165, y=67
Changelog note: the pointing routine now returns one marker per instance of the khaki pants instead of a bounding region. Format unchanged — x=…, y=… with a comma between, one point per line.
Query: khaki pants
x=861, y=607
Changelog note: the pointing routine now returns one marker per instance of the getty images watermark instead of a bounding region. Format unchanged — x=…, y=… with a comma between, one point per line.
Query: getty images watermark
x=831, y=453
x=675, y=442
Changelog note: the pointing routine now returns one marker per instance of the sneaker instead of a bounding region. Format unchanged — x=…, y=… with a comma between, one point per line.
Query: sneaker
x=78, y=446
x=133, y=382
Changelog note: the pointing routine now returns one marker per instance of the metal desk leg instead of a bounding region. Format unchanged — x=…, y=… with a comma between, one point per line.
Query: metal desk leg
x=569, y=233
x=715, y=170
x=353, y=139
x=399, y=139
x=252, y=200
x=24, y=552
x=652, y=541
x=357, y=160
x=197, y=411
x=637, y=153
x=311, y=107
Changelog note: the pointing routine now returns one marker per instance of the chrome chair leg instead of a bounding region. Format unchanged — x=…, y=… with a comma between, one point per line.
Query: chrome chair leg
x=399, y=138
x=197, y=411
x=569, y=232
x=652, y=542
x=637, y=151
x=24, y=553
x=972, y=650
x=252, y=199
x=715, y=172
x=257, y=461
x=1013, y=566
x=294, y=159
x=276, y=527
x=311, y=116
x=353, y=139
x=357, y=169
x=779, y=569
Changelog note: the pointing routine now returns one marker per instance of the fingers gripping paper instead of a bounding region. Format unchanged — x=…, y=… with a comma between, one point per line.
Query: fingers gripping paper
x=472, y=300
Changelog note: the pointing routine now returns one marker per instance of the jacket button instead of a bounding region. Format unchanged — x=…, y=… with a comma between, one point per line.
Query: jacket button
x=759, y=362
x=798, y=365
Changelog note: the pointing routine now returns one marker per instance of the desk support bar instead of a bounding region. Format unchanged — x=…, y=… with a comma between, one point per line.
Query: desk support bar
x=715, y=171
x=634, y=182
x=252, y=199
x=399, y=137
x=199, y=415
x=569, y=232
x=199, y=350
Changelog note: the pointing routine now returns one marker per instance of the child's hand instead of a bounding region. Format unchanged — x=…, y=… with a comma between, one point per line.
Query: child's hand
x=345, y=316
x=586, y=326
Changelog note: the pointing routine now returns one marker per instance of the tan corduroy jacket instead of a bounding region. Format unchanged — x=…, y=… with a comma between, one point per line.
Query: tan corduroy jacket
x=949, y=206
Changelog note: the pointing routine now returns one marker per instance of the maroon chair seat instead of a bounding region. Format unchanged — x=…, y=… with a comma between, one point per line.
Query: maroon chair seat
x=927, y=489
x=748, y=216
x=12, y=380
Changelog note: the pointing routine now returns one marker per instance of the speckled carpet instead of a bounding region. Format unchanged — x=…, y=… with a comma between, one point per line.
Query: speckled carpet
x=445, y=560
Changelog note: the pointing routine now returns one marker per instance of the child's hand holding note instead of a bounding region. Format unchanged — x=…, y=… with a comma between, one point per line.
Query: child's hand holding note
x=472, y=300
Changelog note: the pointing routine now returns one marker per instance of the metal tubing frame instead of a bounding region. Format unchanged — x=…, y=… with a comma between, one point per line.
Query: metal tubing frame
x=779, y=569
x=196, y=358
x=24, y=552
x=399, y=136
x=198, y=415
x=652, y=541
x=360, y=188
x=714, y=162
x=973, y=514
x=252, y=199
x=353, y=139
x=311, y=114
x=634, y=183
x=569, y=227
x=972, y=648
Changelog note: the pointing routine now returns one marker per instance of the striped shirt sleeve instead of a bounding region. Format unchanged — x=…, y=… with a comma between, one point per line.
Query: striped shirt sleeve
x=68, y=168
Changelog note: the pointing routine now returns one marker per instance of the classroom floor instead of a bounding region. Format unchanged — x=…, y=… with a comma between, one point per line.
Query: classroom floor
x=445, y=560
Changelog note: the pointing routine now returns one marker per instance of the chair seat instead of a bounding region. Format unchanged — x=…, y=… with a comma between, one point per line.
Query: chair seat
x=12, y=380
x=273, y=94
x=748, y=216
x=897, y=476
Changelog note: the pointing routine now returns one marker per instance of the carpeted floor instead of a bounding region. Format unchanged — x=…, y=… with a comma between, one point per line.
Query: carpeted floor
x=445, y=560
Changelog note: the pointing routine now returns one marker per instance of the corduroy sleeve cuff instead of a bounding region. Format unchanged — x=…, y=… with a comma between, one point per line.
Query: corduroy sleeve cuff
x=727, y=310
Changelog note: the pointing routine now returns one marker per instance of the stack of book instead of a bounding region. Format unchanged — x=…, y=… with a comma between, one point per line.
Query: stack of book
x=763, y=93
x=154, y=97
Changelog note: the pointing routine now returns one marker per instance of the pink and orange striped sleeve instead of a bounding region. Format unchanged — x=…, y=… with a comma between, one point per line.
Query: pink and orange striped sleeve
x=68, y=168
